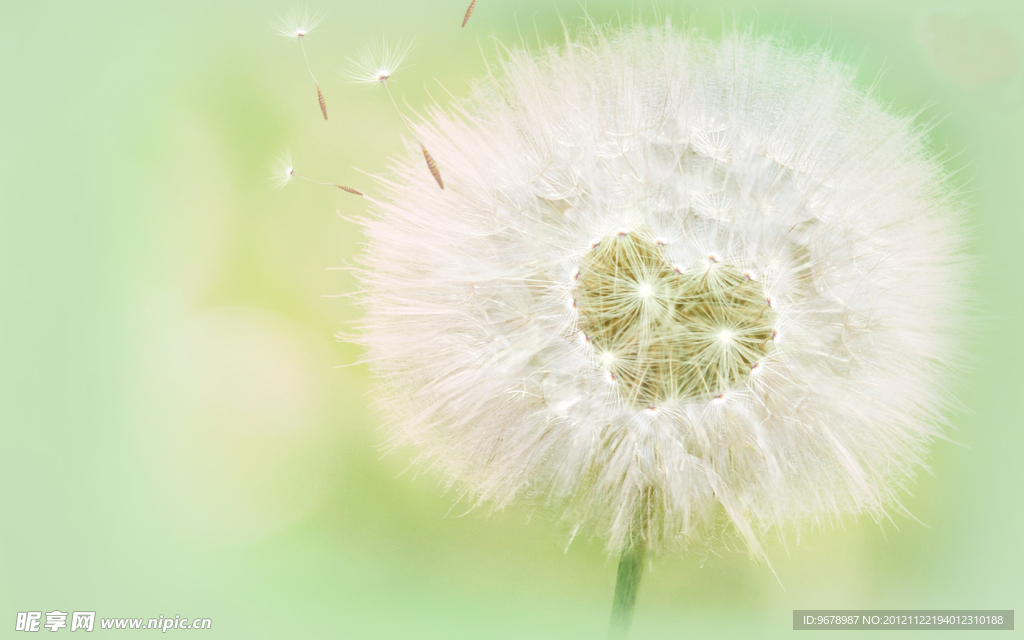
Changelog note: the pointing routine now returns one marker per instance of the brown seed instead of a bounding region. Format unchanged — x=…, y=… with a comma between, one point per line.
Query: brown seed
x=323, y=103
x=469, y=12
x=432, y=166
x=349, y=189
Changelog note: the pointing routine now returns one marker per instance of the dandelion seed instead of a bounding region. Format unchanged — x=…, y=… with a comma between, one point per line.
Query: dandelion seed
x=469, y=12
x=299, y=25
x=284, y=170
x=432, y=166
x=375, y=66
x=863, y=232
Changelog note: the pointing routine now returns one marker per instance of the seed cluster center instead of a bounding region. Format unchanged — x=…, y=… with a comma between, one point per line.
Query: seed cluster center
x=666, y=332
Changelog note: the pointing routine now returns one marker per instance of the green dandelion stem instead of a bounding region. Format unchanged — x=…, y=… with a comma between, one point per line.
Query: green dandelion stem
x=627, y=584
x=631, y=570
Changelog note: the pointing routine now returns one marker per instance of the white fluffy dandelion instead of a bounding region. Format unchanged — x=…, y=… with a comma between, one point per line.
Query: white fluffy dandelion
x=674, y=283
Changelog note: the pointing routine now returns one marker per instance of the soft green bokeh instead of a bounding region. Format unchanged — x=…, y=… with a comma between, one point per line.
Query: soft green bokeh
x=176, y=438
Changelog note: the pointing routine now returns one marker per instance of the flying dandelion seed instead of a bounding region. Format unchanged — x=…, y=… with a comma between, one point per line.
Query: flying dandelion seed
x=299, y=25
x=375, y=66
x=284, y=170
x=469, y=12
x=675, y=285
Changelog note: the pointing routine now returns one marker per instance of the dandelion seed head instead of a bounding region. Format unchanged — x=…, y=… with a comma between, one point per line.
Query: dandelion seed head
x=668, y=326
x=798, y=363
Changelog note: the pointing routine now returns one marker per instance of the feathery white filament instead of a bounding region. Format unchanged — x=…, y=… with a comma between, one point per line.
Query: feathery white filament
x=299, y=24
x=283, y=169
x=377, y=62
x=712, y=278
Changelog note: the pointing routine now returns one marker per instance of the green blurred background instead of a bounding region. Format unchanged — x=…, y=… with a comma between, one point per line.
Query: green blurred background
x=177, y=437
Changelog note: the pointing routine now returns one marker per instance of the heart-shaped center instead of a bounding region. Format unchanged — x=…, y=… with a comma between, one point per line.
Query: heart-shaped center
x=664, y=332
